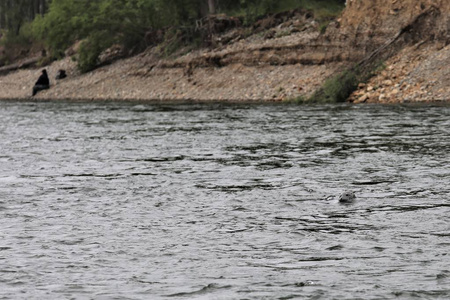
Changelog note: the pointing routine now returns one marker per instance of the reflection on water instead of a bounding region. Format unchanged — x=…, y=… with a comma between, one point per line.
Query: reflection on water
x=146, y=201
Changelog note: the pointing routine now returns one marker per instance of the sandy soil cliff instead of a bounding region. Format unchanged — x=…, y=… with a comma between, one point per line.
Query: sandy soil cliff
x=417, y=64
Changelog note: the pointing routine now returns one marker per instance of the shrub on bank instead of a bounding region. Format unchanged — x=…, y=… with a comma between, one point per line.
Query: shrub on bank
x=103, y=23
x=339, y=87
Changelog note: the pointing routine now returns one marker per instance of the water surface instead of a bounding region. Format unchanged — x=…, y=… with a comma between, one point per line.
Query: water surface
x=215, y=201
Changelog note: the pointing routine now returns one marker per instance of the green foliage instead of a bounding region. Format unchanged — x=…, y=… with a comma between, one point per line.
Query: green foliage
x=339, y=87
x=98, y=23
x=23, y=38
x=299, y=100
x=256, y=8
x=103, y=23
x=91, y=48
x=15, y=13
x=60, y=26
x=335, y=89
x=16, y=46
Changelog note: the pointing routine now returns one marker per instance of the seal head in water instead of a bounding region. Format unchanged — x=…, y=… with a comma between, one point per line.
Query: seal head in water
x=347, y=197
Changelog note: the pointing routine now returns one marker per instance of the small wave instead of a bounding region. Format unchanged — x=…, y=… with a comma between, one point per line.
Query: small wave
x=70, y=242
x=210, y=288
x=443, y=275
x=163, y=159
x=236, y=188
x=435, y=294
x=115, y=175
x=372, y=182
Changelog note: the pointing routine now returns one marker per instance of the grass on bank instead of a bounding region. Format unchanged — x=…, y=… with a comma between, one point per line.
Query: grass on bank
x=339, y=87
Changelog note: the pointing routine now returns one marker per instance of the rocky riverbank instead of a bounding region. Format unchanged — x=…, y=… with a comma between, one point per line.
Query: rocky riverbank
x=125, y=80
x=416, y=74
x=284, y=57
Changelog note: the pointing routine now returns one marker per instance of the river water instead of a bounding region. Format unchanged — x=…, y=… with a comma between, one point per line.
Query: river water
x=215, y=201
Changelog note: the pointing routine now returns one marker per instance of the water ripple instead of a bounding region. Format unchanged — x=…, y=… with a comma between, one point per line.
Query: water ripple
x=215, y=201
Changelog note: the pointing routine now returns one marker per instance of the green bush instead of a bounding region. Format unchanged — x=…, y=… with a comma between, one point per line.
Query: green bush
x=339, y=87
x=335, y=89
x=102, y=23
x=23, y=38
x=91, y=48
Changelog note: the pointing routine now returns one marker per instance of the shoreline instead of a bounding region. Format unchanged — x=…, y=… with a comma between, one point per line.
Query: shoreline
x=149, y=101
x=439, y=102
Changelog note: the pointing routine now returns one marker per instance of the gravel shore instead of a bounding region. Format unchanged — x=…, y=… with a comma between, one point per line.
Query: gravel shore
x=126, y=80
x=414, y=75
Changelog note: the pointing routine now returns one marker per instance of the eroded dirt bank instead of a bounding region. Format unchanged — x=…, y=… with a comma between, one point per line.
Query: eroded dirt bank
x=285, y=57
x=414, y=39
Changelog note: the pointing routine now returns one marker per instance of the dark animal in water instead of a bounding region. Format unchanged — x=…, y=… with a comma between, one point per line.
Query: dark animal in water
x=347, y=197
